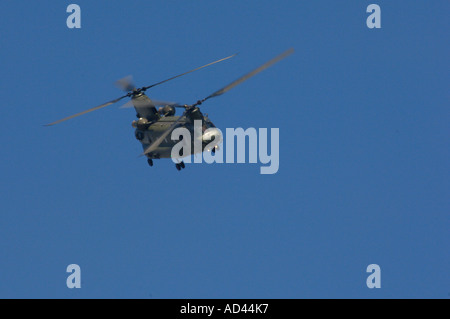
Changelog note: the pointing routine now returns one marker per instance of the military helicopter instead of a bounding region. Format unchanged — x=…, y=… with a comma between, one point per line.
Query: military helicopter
x=154, y=126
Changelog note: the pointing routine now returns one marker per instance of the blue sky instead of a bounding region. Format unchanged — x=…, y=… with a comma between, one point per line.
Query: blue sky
x=364, y=151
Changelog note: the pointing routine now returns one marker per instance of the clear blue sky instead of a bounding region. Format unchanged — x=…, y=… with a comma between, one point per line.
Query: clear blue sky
x=364, y=151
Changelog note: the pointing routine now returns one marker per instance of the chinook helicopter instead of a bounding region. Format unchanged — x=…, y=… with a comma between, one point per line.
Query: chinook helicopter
x=154, y=126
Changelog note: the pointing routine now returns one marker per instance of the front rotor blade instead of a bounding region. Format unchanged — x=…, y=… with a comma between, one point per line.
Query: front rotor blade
x=204, y=66
x=249, y=75
x=160, y=139
x=164, y=103
x=130, y=104
x=87, y=111
x=127, y=105
x=126, y=84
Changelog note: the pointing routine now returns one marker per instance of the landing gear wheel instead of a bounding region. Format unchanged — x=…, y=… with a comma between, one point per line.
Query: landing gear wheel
x=150, y=162
x=180, y=166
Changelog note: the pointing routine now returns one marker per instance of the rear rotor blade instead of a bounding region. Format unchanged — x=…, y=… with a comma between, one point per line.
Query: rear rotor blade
x=250, y=74
x=87, y=111
x=204, y=66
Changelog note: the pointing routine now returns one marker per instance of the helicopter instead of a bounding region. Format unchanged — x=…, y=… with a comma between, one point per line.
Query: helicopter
x=153, y=125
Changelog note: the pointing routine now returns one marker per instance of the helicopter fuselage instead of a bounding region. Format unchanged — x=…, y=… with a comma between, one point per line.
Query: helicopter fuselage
x=152, y=123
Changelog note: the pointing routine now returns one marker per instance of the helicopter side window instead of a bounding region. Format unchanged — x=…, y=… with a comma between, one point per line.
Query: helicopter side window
x=139, y=135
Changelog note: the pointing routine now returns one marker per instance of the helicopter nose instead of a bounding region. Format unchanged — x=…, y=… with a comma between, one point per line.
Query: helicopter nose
x=212, y=134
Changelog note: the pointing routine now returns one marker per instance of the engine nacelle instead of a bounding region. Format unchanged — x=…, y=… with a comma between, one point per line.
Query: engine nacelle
x=141, y=124
x=167, y=110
